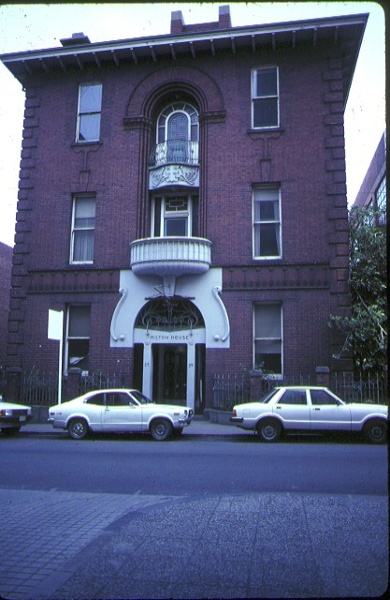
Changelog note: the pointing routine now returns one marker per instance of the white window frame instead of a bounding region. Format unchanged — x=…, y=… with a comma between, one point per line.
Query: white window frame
x=172, y=215
x=255, y=97
x=273, y=339
x=82, y=112
x=257, y=223
x=75, y=229
x=69, y=338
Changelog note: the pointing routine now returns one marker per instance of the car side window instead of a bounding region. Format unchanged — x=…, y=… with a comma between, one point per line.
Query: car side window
x=118, y=399
x=320, y=397
x=293, y=397
x=96, y=399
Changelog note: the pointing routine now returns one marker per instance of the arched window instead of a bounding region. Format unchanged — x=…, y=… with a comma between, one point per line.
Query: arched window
x=177, y=133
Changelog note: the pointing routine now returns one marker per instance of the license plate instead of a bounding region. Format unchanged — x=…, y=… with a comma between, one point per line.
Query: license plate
x=22, y=418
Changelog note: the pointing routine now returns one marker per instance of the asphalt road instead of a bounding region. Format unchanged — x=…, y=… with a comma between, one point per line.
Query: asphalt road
x=192, y=466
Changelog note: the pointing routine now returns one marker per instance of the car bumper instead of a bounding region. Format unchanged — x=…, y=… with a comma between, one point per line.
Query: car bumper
x=184, y=422
x=14, y=421
x=236, y=420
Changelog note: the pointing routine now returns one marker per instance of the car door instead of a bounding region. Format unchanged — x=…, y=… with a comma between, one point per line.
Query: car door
x=121, y=413
x=329, y=413
x=94, y=409
x=292, y=407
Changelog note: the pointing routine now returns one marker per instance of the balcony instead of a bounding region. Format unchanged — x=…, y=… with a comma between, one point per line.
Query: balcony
x=175, y=152
x=170, y=257
x=175, y=162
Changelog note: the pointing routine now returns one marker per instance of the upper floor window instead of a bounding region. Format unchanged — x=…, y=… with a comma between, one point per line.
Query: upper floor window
x=89, y=110
x=265, y=97
x=83, y=229
x=175, y=215
x=177, y=134
x=266, y=222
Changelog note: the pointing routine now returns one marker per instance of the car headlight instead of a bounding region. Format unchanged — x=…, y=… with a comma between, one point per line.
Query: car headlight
x=6, y=412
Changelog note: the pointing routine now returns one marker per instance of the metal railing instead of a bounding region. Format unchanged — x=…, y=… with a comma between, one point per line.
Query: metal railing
x=175, y=151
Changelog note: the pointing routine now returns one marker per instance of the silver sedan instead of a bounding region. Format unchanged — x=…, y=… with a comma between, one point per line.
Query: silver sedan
x=310, y=409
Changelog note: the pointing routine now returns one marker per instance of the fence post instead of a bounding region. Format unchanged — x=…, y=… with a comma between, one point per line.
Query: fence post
x=255, y=385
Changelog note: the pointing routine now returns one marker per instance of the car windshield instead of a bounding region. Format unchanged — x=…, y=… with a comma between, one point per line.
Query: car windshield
x=140, y=397
x=269, y=396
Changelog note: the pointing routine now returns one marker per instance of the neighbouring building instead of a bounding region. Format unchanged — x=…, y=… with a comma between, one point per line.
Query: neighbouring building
x=182, y=201
x=372, y=192
x=5, y=286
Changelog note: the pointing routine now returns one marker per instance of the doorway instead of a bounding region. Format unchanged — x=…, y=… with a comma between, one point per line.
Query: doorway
x=170, y=373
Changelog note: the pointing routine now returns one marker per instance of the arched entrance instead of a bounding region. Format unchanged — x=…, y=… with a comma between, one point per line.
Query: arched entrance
x=169, y=351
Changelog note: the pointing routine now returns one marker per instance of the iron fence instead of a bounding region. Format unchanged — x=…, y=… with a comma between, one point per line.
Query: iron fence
x=232, y=389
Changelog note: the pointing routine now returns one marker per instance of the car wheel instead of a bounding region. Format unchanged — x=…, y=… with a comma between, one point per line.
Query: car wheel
x=376, y=431
x=269, y=430
x=10, y=430
x=161, y=429
x=78, y=429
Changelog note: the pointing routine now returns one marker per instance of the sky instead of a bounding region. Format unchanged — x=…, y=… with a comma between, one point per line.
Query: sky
x=38, y=26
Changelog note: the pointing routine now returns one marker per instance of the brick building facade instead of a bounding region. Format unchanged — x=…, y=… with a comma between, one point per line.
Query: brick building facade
x=182, y=201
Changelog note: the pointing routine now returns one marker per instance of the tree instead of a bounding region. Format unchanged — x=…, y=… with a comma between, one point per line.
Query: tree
x=365, y=329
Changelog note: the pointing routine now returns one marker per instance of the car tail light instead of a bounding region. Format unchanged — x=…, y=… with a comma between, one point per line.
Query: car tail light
x=234, y=412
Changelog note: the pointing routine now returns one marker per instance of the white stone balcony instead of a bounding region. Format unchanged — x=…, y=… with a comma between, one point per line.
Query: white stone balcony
x=170, y=257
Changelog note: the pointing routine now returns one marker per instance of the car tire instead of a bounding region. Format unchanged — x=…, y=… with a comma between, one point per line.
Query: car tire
x=269, y=430
x=161, y=429
x=375, y=431
x=78, y=429
x=10, y=430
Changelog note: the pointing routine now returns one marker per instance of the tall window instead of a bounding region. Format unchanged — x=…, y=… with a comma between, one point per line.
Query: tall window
x=83, y=229
x=175, y=215
x=266, y=222
x=77, y=337
x=265, y=97
x=268, y=337
x=89, y=109
x=177, y=134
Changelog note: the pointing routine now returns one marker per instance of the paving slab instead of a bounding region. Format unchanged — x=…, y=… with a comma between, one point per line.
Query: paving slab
x=231, y=546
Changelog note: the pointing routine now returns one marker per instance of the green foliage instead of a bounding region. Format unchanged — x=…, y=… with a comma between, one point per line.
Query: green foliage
x=365, y=330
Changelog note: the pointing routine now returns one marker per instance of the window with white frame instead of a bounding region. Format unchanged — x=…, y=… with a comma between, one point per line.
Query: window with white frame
x=177, y=134
x=78, y=328
x=89, y=111
x=83, y=229
x=175, y=215
x=266, y=222
x=265, y=97
x=268, y=344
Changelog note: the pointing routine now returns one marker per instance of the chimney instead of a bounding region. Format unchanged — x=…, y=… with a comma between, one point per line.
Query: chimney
x=177, y=22
x=224, y=21
x=77, y=39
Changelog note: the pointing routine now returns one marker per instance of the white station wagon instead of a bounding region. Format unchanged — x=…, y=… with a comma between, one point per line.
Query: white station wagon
x=120, y=411
x=310, y=409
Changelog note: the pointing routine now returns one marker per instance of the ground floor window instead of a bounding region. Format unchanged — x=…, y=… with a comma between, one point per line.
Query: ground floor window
x=78, y=337
x=268, y=337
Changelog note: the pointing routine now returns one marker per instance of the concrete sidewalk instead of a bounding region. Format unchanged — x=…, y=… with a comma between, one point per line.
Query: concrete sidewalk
x=86, y=546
